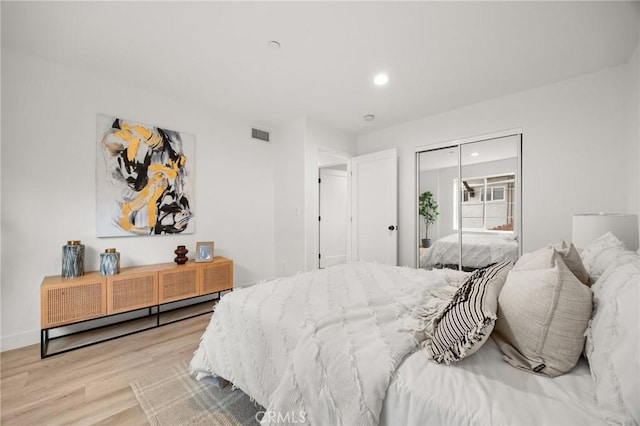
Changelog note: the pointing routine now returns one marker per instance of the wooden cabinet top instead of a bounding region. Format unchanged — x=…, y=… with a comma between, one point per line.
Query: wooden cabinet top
x=94, y=275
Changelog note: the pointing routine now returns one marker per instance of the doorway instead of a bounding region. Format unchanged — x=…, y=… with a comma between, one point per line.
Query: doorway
x=357, y=209
x=333, y=218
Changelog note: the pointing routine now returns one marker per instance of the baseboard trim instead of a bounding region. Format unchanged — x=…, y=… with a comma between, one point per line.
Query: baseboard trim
x=250, y=283
x=19, y=340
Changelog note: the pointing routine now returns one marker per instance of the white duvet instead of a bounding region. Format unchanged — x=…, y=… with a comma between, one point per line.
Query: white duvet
x=333, y=347
x=324, y=343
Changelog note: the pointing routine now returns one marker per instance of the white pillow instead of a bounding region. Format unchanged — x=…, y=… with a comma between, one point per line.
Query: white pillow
x=613, y=347
x=600, y=253
x=543, y=312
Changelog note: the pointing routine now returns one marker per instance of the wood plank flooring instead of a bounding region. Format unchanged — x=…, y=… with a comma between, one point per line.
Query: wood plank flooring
x=90, y=385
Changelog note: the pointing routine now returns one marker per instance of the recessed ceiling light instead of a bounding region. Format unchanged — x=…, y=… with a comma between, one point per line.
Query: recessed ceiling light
x=273, y=45
x=475, y=154
x=369, y=117
x=381, y=79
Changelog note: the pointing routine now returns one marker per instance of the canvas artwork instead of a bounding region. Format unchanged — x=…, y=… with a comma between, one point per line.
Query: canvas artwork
x=144, y=179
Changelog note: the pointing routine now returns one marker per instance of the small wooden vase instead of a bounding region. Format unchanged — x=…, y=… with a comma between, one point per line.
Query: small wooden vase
x=181, y=255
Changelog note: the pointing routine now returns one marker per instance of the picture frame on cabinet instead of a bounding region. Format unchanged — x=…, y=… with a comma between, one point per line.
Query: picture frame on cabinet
x=204, y=251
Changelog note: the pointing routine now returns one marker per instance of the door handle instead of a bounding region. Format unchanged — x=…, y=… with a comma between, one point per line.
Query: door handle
x=392, y=228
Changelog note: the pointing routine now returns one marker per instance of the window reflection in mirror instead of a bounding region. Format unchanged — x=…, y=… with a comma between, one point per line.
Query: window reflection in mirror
x=487, y=203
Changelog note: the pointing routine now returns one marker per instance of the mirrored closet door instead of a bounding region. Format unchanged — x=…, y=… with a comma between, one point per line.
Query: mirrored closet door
x=468, y=203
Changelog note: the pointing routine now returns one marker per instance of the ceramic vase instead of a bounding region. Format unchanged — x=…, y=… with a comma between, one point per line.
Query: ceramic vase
x=181, y=255
x=109, y=262
x=72, y=259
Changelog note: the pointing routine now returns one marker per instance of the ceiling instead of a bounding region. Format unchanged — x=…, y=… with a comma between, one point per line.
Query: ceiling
x=439, y=55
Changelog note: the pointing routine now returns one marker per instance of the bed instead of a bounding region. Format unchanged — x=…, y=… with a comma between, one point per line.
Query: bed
x=478, y=250
x=339, y=346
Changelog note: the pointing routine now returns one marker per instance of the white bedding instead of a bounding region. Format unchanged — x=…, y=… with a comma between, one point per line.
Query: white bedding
x=345, y=313
x=478, y=250
x=485, y=390
x=252, y=338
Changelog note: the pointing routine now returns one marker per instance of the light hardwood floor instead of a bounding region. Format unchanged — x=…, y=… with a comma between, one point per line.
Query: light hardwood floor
x=91, y=385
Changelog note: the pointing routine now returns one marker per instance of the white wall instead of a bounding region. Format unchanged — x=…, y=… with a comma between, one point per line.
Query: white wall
x=633, y=159
x=48, y=183
x=290, y=198
x=1, y=217
x=575, y=152
x=296, y=190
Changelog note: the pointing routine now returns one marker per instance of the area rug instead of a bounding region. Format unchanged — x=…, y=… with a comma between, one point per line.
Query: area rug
x=172, y=397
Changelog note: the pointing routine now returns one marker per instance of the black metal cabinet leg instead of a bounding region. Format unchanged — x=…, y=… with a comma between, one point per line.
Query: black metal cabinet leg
x=44, y=342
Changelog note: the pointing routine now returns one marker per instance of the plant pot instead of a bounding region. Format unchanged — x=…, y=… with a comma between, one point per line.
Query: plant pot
x=426, y=242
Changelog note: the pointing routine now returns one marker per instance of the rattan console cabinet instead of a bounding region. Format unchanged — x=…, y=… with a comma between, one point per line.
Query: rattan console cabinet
x=82, y=311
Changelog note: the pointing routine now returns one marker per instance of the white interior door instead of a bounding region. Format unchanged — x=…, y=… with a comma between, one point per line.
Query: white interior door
x=374, y=207
x=333, y=218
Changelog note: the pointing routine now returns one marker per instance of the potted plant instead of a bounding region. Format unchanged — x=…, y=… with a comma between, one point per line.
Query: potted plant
x=428, y=209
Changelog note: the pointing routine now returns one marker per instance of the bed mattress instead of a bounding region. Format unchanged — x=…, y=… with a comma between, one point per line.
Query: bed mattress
x=485, y=390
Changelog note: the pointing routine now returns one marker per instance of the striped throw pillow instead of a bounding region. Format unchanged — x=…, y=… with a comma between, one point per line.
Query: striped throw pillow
x=461, y=326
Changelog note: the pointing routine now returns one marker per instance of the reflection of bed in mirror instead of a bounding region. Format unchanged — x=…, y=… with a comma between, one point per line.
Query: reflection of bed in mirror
x=478, y=250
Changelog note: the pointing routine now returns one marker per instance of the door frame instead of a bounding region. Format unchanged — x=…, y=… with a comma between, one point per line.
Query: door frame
x=313, y=203
x=347, y=215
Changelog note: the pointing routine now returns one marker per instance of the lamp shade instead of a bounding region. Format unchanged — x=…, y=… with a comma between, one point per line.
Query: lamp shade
x=588, y=227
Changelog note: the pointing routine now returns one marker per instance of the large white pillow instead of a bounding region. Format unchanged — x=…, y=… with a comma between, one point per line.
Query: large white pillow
x=613, y=337
x=543, y=312
x=600, y=253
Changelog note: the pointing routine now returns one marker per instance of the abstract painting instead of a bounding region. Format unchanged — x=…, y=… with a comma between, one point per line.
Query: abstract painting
x=144, y=179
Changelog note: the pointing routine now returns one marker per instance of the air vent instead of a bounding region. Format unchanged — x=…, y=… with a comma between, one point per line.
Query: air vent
x=261, y=135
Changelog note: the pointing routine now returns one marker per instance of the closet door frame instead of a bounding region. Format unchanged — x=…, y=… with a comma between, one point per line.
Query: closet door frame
x=457, y=144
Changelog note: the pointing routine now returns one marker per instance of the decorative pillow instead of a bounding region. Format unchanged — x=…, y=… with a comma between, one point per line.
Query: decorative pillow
x=613, y=347
x=574, y=262
x=599, y=254
x=459, y=327
x=543, y=311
